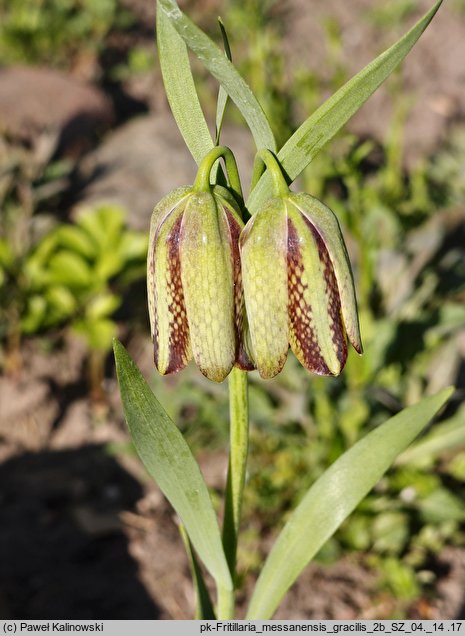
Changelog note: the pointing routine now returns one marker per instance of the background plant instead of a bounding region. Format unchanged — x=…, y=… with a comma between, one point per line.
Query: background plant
x=52, y=31
x=74, y=276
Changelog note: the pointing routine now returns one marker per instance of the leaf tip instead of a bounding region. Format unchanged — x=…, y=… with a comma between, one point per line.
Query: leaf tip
x=447, y=393
x=121, y=356
x=117, y=347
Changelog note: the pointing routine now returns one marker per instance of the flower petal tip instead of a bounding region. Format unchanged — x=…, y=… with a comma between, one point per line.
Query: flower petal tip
x=215, y=374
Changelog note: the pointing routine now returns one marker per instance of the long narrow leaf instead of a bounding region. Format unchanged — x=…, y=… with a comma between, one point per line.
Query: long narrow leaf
x=332, y=498
x=222, y=94
x=224, y=71
x=168, y=459
x=203, y=607
x=449, y=435
x=329, y=118
x=180, y=88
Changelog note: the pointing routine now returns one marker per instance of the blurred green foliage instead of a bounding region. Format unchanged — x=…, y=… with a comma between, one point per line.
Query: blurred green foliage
x=77, y=273
x=74, y=276
x=55, y=275
x=54, y=31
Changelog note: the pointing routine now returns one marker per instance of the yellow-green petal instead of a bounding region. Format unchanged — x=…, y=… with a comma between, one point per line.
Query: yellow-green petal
x=172, y=350
x=327, y=226
x=316, y=332
x=208, y=284
x=226, y=202
x=264, y=277
x=159, y=214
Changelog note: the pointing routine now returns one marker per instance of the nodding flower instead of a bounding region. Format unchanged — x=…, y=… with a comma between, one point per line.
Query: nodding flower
x=298, y=284
x=194, y=277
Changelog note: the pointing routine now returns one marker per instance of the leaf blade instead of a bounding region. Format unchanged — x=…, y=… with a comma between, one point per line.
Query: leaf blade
x=331, y=499
x=329, y=118
x=222, y=94
x=180, y=88
x=449, y=435
x=224, y=71
x=169, y=461
x=204, y=607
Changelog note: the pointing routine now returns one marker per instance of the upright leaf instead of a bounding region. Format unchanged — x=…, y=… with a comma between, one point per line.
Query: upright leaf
x=180, y=88
x=224, y=71
x=204, y=607
x=222, y=94
x=169, y=461
x=332, y=498
x=329, y=118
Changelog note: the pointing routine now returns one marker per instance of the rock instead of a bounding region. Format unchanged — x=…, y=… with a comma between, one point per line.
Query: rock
x=144, y=160
x=38, y=100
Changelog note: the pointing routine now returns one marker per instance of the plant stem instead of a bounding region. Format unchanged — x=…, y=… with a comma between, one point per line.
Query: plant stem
x=225, y=609
x=266, y=158
x=239, y=444
x=202, y=180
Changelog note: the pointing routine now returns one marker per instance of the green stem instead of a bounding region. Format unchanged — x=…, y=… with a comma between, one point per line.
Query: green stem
x=225, y=609
x=266, y=158
x=239, y=444
x=202, y=180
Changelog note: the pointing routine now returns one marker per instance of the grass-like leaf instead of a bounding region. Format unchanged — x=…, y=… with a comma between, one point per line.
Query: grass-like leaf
x=330, y=117
x=180, y=88
x=223, y=70
x=204, y=607
x=446, y=436
x=332, y=498
x=222, y=94
x=168, y=459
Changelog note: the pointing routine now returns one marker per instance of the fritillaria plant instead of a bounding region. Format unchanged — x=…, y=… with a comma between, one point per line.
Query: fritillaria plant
x=234, y=285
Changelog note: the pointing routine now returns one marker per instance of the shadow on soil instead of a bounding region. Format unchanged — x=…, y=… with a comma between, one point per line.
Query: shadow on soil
x=62, y=550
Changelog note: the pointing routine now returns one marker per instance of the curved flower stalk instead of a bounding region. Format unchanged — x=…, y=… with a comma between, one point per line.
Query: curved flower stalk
x=298, y=282
x=193, y=276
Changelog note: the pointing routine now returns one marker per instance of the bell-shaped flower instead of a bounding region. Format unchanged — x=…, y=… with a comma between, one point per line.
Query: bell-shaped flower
x=298, y=284
x=194, y=281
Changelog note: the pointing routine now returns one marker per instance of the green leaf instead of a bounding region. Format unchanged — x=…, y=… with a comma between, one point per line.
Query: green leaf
x=332, y=498
x=448, y=435
x=390, y=530
x=98, y=332
x=103, y=224
x=224, y=71
x=62, y=301
x=180, y=88
x=102, y=305
x=34, y=315
x=222, y=94
x=204, y=607
x=399, y=577
x=69, y=269
x=109, y=264
x=133, y=246
x=7, y=256
x=75, y=239
x=328, y=119
x=441, y=506
x=169, y=461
